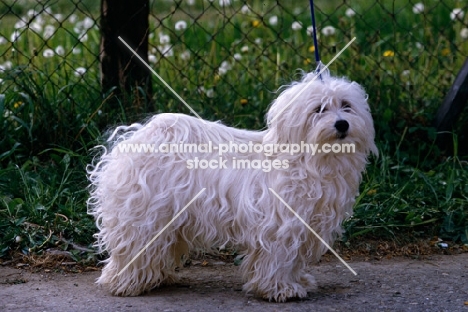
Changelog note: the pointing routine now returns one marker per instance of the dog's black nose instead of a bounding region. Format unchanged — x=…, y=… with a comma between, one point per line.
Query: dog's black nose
x=342, y=126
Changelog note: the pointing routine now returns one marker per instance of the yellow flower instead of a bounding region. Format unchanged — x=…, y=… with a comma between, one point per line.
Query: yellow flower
x=445, y=52
x=256, y=23
x=312, y=49
x=307, y=61
x=371, y=192
x=17, y=104
x=389, y=53
x=244, y=101
x=217, y=77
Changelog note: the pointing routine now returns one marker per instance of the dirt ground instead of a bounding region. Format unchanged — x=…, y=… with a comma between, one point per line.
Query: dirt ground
x=431, y=283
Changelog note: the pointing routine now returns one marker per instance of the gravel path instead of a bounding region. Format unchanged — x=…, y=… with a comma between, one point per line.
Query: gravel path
x=436, y=283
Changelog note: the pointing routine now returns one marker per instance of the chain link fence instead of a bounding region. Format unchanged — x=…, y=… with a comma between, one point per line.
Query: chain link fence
x=237, y=53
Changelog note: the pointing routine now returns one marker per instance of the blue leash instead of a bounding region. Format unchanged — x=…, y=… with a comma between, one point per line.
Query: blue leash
x=314, y=36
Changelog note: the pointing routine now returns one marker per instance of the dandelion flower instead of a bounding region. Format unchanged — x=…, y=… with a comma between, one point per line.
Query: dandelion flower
x=18, y=104
x=164, y=39
x=31, y=13
x=59, y=50
x=464, y=33
x=310, y=30
x=59, y=17
x=328, y=31
x=15, y=36
x=456, y=13
x=307, y=61
x=180, y=25
x=245, y=49
x=224, y=68
x=185, y=56
x=244, y=101
x=48, y=53
x=296, y=26
x=418, y=8
x=223, y=3
x=273, y=20
x=88, y=23
x=389, y=53
x=245, y=9
x=256, y=23
x=49, y=31
x=166, y=50
x=36, y=26
x=312, y=49
x=350, y=12
x=152, y=58
x=445, y=52
x=20, y=24
x=83, y=37
x=72, y=18
x=210, y=93
x=80, y=71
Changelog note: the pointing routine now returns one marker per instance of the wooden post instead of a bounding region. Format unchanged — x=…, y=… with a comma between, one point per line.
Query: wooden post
x=120, y=69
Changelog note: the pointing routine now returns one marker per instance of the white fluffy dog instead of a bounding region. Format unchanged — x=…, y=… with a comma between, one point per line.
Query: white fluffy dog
x=135, y=195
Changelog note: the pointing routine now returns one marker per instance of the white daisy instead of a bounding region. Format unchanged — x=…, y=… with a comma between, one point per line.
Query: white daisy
x=245, y=9
x=237, y=56
x=245, y=49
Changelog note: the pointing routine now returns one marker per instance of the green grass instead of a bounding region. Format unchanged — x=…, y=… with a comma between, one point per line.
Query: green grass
x=50, y=116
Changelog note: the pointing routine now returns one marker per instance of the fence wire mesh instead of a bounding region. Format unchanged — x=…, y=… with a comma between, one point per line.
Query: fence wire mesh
x=240, y=52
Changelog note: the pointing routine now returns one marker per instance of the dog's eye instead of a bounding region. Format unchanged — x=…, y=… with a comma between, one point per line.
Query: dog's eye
x=345, y=106
x=319, y=110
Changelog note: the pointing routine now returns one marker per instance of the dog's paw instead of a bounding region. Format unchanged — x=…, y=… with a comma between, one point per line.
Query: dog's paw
x=308, y=281
x=285, y=292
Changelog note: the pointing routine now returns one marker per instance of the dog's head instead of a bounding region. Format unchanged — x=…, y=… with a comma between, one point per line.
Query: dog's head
x=331, y=110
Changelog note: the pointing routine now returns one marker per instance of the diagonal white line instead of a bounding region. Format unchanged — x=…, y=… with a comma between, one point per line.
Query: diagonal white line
x=313, y=79
x=315, y=233
x=160, y=232
x=162, y=80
